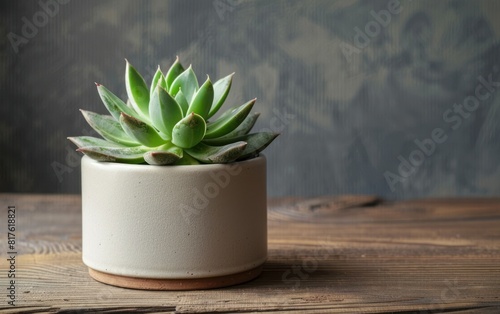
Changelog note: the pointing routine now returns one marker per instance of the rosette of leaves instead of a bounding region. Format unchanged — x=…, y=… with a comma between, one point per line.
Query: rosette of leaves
x=171, y=122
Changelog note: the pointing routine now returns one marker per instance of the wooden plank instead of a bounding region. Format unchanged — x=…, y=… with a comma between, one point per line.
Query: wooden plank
x=346, y=254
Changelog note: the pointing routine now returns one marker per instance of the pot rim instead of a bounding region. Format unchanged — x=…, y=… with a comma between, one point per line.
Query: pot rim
x=146, y=167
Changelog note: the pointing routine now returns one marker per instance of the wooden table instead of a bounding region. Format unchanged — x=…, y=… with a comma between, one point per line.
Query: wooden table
x=326, y=255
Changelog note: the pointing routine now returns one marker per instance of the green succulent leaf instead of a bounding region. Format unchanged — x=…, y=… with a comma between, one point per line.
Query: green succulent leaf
x=229, y=121
x=202, y=100
x=181, y=100
x=166, y=123
x=163, y=84
x=162, y=157
x=129, y=104
x=137, y=90
x=108, y=128
x=85, y=141
x=164, y=111
x=244, y=128
x=217, y=154
x=130, y=155
x=256, y=142
x=140, y=131
x=187, y=82
x=158, y=77
x=114, y=104
x=221, y=90
x=186, y=160
x=189, y=131
x=175, y=70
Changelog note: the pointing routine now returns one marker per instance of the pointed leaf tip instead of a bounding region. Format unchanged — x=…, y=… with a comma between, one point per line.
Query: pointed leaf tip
x=164, y=111
x=217, y=154
x=228, y=121
x=185, y=81
x=221, y=90
x=137, y=91
x=107, y=127
x=202, y=99
x=243, y=129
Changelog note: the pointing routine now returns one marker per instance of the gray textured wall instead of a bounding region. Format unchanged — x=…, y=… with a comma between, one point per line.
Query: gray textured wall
x=352, y=92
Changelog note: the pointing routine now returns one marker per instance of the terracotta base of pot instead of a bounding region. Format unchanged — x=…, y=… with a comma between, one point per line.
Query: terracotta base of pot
x=175, y=284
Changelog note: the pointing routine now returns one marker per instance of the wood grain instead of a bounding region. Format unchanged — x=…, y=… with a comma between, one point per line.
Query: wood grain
x=345, y=254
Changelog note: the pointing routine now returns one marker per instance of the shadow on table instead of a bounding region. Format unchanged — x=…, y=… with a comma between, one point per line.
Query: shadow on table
x=315, y=273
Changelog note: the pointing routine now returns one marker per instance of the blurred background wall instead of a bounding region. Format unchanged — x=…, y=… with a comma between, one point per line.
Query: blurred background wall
x=398, y=99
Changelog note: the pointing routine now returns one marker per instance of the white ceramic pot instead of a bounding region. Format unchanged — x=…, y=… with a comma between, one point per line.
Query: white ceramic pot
x=174, y=227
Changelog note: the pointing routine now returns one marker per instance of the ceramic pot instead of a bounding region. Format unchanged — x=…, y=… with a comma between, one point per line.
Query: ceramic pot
x=174, y=227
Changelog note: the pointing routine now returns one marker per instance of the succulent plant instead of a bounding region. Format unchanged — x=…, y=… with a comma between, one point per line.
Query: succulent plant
x=169, y=122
